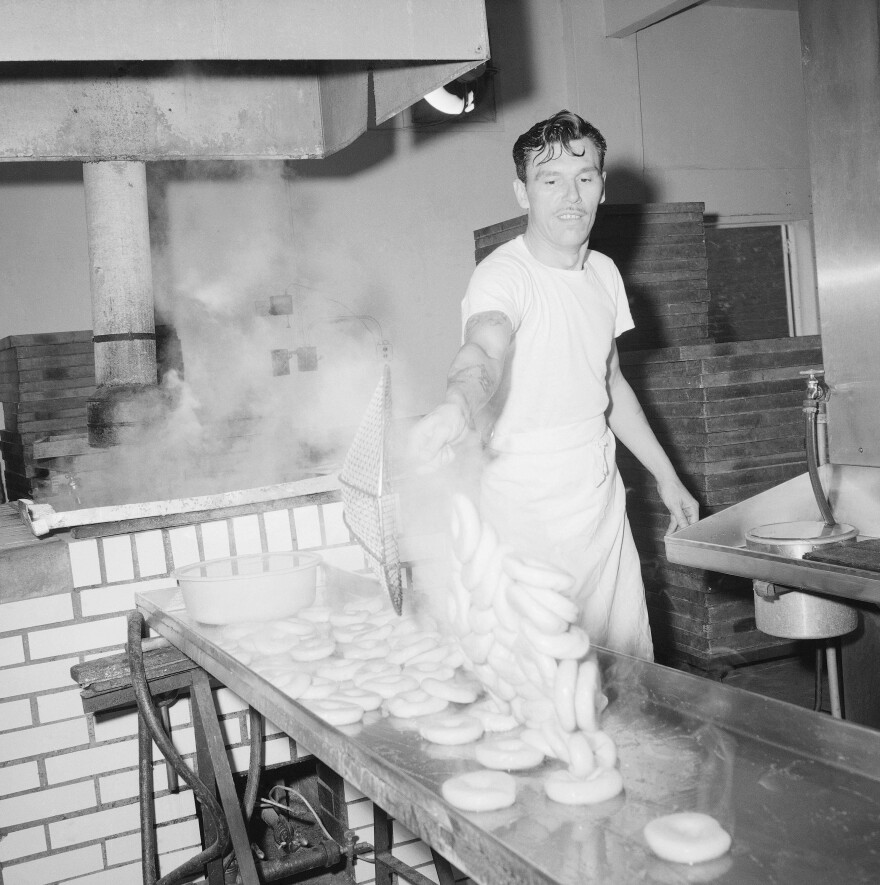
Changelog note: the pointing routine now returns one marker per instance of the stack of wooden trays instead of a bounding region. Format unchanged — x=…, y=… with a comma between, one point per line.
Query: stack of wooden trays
x=45, y=383
x=660, y=250
x=730, y=418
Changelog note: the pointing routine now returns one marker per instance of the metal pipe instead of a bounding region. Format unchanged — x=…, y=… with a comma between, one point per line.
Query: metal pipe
x=811, y=409
x=318, y=857
x=149, y=715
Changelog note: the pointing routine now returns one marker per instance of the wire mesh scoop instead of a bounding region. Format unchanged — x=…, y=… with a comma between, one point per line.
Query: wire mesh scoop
x=369, y=507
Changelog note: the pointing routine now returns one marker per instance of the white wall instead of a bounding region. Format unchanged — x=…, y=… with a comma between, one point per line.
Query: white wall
x=705, y=106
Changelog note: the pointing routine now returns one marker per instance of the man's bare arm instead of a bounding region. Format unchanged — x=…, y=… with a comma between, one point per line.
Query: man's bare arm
x=476, y=371
x=628, y=422
x=473, y=378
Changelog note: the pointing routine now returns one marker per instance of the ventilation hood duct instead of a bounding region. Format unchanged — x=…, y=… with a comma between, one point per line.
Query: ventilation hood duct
x=220, y=79
x=119, y=83
x=842, y=87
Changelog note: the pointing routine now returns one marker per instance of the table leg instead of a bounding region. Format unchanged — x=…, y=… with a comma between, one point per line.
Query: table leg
x=204, y=703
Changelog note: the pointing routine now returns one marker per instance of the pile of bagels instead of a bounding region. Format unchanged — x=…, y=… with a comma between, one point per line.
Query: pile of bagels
x=517, y=629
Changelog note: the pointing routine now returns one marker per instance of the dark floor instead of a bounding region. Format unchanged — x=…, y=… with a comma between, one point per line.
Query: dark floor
x=791, y=679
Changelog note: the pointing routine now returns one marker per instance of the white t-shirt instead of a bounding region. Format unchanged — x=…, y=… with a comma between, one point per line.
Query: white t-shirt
x=564, y=324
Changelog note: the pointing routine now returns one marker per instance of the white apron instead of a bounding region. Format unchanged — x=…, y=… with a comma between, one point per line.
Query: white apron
x=557, y=495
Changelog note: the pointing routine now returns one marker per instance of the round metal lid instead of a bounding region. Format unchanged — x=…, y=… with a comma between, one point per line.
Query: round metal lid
x=815, y=533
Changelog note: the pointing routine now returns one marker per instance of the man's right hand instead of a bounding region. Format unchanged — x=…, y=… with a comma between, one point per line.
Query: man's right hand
x=432, y=439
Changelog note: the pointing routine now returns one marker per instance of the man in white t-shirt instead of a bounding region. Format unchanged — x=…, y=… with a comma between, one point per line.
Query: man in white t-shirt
x=539, y=368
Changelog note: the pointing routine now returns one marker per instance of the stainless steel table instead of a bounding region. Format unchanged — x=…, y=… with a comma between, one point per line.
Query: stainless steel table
x=798, y=791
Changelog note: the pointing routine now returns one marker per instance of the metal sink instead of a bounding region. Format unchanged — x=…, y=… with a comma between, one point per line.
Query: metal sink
x=718, y=542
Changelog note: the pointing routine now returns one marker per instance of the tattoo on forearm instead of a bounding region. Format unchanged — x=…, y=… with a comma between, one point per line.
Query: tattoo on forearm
x=470, y=375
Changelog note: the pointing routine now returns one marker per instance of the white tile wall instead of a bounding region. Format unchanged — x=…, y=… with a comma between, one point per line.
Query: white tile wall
x=21, y=843
x=118, y=558
x=277, y=525
x=127, y=875
x=173, y=837
x=246, y=530
x=179, y=712
x=335, y=530
x=227, y=701
x=360, y=813
x=150, y=553
x=307, y=525
x=351, y=793
x=215, y=539
x=35, y=612
x=55, y=867
x=16, y=778
x=109, y=726
x=123, y=849
x=174, y=806
x=84, y=562
x=126, y=784
x=276, y=751
x=96, y=825
x=41, y=739
x=85, y=636
x=118, y=597
x=11, y=651
x=184, y=739
x=96, y=760
x=33, y=679
x=15, y=714
x=59, y=705
x=167, y=862
x=106, y=574
x=40, y=804
x=349, y=558
x=184, y=545
x=170, y=838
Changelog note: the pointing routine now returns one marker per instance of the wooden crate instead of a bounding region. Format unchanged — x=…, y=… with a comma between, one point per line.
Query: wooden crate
x=45, y=382
x=739, y=432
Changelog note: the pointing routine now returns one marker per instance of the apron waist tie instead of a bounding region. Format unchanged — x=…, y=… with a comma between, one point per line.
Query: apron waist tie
x=592, y=436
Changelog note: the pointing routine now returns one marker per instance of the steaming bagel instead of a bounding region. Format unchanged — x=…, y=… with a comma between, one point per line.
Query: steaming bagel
x=687, y=837
x=480, y=790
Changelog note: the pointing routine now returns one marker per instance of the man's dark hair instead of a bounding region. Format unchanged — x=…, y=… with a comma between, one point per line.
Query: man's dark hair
x=553, y=136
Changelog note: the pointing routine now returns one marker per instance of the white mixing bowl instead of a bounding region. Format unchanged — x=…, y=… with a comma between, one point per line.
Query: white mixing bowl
x=254, y=587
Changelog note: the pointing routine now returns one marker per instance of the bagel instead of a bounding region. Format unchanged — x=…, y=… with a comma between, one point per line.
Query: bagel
x=687, y=837
x=599, y=786
x=466, y=527
x=482, y=790
x=335, y=712
x=414, y=703
x=451, y=730
x=564, y=694
x=538, y=574
x=508, y=754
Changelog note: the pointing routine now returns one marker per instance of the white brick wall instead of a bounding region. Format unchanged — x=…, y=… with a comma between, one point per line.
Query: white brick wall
x=55, y=867
x=11, y=651
x=21, y=843
x=38, y=804
x=37, y=612
x=69, y=782
x=15, y=714
x=17, y=778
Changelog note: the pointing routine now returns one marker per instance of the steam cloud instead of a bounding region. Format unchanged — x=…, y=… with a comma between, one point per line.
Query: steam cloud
x=228, y=422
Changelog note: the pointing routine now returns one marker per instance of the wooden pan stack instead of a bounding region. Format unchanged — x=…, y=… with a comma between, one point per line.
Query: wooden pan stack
x=45, y=383
x=729, y=416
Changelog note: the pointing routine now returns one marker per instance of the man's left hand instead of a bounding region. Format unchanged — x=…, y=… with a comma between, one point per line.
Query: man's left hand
x=682, y=505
